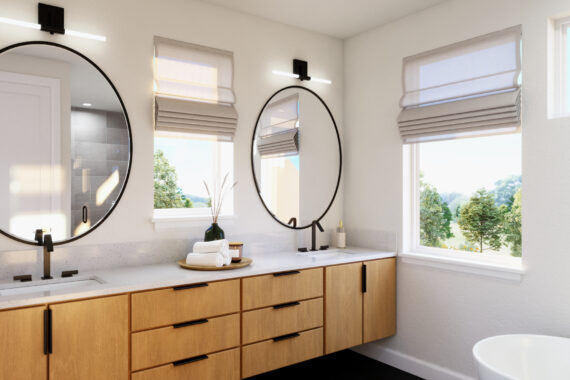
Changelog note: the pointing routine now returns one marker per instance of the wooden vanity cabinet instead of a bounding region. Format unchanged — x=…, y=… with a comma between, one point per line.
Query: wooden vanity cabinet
x=22, y=344
x=90, y=339
x=360, y=303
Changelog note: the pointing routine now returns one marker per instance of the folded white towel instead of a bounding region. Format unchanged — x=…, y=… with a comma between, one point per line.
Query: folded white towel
x=211, y=246
x=206, y=259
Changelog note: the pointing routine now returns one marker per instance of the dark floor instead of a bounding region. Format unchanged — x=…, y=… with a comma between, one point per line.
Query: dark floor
x=338, y=366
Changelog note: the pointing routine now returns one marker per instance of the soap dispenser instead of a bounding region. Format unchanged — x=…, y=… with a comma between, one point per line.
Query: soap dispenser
x=340, y=236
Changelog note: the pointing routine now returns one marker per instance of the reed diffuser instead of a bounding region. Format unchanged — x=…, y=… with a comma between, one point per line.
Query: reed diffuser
x=217, y=197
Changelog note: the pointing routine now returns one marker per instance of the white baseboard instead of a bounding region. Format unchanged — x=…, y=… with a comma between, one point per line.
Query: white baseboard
x=409, y=363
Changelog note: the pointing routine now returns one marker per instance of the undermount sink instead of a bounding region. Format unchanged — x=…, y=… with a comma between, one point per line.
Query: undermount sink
x=523, y=357
x=47, y=286
x=323, y=254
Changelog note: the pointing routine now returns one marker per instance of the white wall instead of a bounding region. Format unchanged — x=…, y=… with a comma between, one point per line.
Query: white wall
x=258, y=45
x=442, y=314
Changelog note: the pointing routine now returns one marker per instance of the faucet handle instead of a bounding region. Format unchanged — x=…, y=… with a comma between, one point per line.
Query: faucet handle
x=23, y=278
x=69, y=273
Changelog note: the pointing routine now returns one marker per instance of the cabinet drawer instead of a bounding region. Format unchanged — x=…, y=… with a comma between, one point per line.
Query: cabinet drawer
x=220, y=366
x=185, y=303
x=282, y=287
x=169, y=344
x=281, y=319
x=269, y=355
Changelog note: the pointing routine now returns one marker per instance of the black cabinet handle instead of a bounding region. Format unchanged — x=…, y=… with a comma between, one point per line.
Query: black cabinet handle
x=85, y=214
x=190, y=360
x=285, y=337
x=193, y=286
x=286, y=273
x=191, y=323
x=284, y=305
x=47, y=332
x=363, y=278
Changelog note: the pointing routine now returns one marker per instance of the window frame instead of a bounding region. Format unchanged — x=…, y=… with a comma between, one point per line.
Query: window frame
x=488, y=265
x=561, y=69
x=200, y=213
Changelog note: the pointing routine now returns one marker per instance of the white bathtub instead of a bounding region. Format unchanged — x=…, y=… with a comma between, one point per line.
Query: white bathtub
x=523, y=357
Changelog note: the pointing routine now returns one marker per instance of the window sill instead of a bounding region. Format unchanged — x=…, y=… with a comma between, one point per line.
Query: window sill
x=502, y=270
x=162, y=222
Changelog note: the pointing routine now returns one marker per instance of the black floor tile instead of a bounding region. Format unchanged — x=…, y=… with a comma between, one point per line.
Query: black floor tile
x=338, y=366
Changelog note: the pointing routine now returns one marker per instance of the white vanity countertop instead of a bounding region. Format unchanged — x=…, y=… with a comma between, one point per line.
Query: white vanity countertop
x=148, y=277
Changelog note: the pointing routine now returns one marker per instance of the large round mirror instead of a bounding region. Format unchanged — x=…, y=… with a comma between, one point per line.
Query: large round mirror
x=296, y=157
x=65, y=151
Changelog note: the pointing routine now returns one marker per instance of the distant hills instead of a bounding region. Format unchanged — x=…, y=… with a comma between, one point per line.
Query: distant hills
x=198, y=201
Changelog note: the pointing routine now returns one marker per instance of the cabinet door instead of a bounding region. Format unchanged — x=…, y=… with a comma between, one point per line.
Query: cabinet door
x=380, y=299
x=343, y=307
x=22, y=344
x=90, y=339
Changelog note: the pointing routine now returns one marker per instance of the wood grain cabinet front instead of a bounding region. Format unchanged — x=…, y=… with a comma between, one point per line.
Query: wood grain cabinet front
x=223, y=365
x=168, y=344
x=281, y=351
x=22, y=354
x=179, y=304
x=90, y=339
x=277, y=288
x=281, y=319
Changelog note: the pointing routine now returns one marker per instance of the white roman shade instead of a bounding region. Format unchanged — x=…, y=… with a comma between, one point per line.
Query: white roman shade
x=194, y=89
x=279, y=133
x=466, y=89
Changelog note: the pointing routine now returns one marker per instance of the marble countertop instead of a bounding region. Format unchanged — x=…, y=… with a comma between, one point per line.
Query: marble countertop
x=147, y=277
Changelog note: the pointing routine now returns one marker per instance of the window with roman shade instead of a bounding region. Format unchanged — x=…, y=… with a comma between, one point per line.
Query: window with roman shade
x=470, y=88
x=279, y=132
x=194, y=89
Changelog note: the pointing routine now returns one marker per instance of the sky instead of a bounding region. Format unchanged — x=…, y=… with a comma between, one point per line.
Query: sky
x=466, y=165
x=189, y=158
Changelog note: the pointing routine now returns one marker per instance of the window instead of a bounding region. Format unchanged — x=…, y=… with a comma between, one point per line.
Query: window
x=561, y=86
x=461, y=122
x=195, y=123
x=468, y=196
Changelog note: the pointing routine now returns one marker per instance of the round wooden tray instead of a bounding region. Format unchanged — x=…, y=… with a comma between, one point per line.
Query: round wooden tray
x=245, y=261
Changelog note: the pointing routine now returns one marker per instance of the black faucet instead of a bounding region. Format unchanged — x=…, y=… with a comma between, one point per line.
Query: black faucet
x=47, y=242
x=314, y=226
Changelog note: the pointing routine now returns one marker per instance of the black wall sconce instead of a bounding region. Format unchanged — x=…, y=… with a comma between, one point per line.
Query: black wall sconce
x=300, y=71
x=51, y=20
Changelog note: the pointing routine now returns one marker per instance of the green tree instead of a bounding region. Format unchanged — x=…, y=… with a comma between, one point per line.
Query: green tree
x=512, y=225
x=166, y=192
x=480, y=220
x=435, y=217
x=505, y=190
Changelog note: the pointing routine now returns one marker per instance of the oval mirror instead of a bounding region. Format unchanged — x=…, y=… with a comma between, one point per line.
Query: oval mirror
x=296, y=157
x=66, y=149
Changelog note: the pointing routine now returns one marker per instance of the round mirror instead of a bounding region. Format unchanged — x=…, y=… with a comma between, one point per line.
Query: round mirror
x=66, y=149
x=296, y=157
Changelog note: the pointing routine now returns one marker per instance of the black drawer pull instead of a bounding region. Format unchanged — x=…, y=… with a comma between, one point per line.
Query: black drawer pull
x=190, y=360
x=47, y=332
x=193, y=286
x=286, y=273
x=191, y=323
x=285, y=337
x=284, y=305
x=363, y=278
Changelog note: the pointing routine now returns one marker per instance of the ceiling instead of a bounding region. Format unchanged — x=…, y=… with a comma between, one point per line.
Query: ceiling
x=337, y=18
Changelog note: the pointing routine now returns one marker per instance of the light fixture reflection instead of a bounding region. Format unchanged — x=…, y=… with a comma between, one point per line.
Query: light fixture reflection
x=107, y=188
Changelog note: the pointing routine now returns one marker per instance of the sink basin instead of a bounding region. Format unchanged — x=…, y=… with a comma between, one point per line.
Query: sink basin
x=327, y=253
x=523, y=357
x=46, y=286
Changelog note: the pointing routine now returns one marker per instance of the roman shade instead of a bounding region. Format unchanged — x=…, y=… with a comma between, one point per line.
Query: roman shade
x=194, y=89
x=279, y=133
x=466, y=89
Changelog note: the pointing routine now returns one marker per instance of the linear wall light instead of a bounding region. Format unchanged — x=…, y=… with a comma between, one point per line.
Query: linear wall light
x=51, y=20
x=300, y=72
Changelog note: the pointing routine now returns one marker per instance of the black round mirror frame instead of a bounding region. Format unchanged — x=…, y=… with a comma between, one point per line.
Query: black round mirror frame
x=339, y=153
x=100, y=221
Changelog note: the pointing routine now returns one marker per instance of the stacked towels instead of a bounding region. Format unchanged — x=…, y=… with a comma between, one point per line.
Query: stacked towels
x=215, y=253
